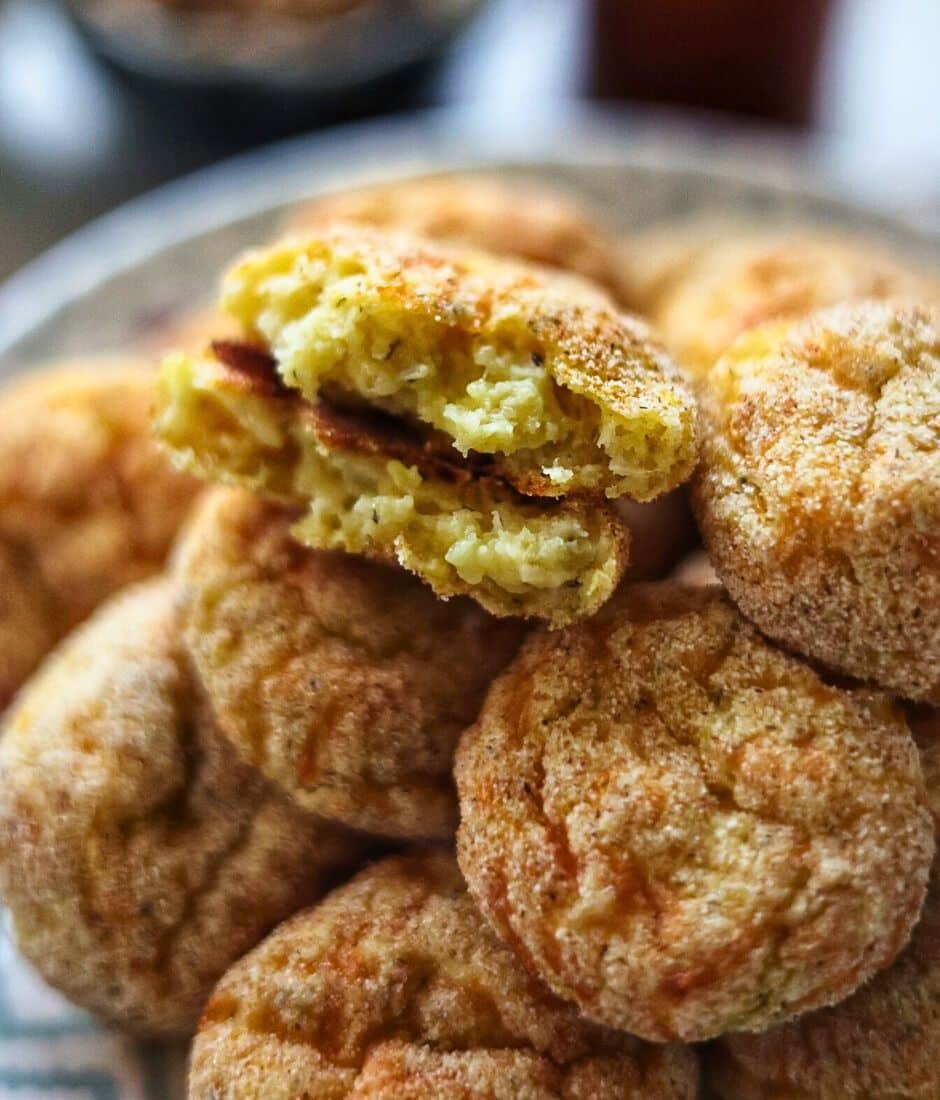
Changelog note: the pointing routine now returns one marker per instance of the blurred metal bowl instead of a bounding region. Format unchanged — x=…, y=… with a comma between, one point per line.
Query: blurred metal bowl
x=314, y=49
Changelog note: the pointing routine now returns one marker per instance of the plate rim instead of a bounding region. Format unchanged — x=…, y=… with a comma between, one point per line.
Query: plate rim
x=442, y=139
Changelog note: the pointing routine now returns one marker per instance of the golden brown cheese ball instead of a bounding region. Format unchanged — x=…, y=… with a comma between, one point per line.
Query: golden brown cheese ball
x=818, y=493
x=87, y=502
x=719, y=289
x=881, y=1043
x=394, y=986
x=137, y=857
x=653, y=261
x=526, y=220
x=685, y=830
x=344, y=680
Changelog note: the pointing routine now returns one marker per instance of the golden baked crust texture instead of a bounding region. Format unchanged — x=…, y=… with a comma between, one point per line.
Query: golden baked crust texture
x=535, y=368
x=87, y=502
x=718, y=289
x=521, y=219
x=818, y=494
x=880, y=1043
x=137, y=858
x=344, y=680
x=396, y=977
x=683, y=829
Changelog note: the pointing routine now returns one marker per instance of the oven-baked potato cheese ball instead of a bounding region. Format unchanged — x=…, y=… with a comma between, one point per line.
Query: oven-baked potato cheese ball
x=396, y=973
x=881, y=1042
x=380, y=491
x=718, y=288
x=88, y=503
x=684, y=830
x=344, y=680
x=818, y=494
x=535, y=368
x=138, y=859
x=524, y=219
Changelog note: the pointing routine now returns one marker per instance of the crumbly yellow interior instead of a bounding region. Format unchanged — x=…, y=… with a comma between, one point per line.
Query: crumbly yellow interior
x=472, y=367
x=515, y=556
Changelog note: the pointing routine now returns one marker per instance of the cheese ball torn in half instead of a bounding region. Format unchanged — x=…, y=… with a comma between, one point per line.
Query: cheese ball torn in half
x=535, y=370
x=520, y=219
x=374, y=487
x=818, y=494
x=684, y=830
x=137, y=857
x=880, y=1043
x=422, y=398
x=394, y=986
x=345, y=681
x=88, y=503
x=719, y=288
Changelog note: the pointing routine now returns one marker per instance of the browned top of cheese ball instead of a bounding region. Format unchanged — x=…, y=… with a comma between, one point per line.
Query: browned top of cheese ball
x=137, y=857
x=723, y=284
x=818, y=493
x=87, y=502
x=685, y=830
x=344, y=680
x=882, y=1042
x=394, y=982
x=522, y=219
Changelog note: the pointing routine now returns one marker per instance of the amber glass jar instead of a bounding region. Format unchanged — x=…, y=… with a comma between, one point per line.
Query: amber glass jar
x=752, y=58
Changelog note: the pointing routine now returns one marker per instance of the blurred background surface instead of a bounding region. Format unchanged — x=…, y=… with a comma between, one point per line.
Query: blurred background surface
x=104, y=99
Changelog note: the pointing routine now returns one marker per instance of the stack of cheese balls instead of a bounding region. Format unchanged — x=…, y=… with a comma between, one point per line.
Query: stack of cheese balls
x=444, y=755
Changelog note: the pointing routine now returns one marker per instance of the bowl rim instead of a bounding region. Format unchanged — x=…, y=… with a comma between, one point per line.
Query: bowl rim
x=435, y=140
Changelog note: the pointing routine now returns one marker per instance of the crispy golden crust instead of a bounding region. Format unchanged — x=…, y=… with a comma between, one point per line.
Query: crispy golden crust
x=138, y=859
x=344, y=680
x=399, y=1070
x=396, y=978
x=87, y=502
x=880, y=1043
x=29, y=618
x=525, y=220
x=718, y=288
x=818, y=494
x=683, y=829
x=537, y=368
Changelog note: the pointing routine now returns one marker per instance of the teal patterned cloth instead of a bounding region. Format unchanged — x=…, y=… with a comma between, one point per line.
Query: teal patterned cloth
x=50, y=1050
